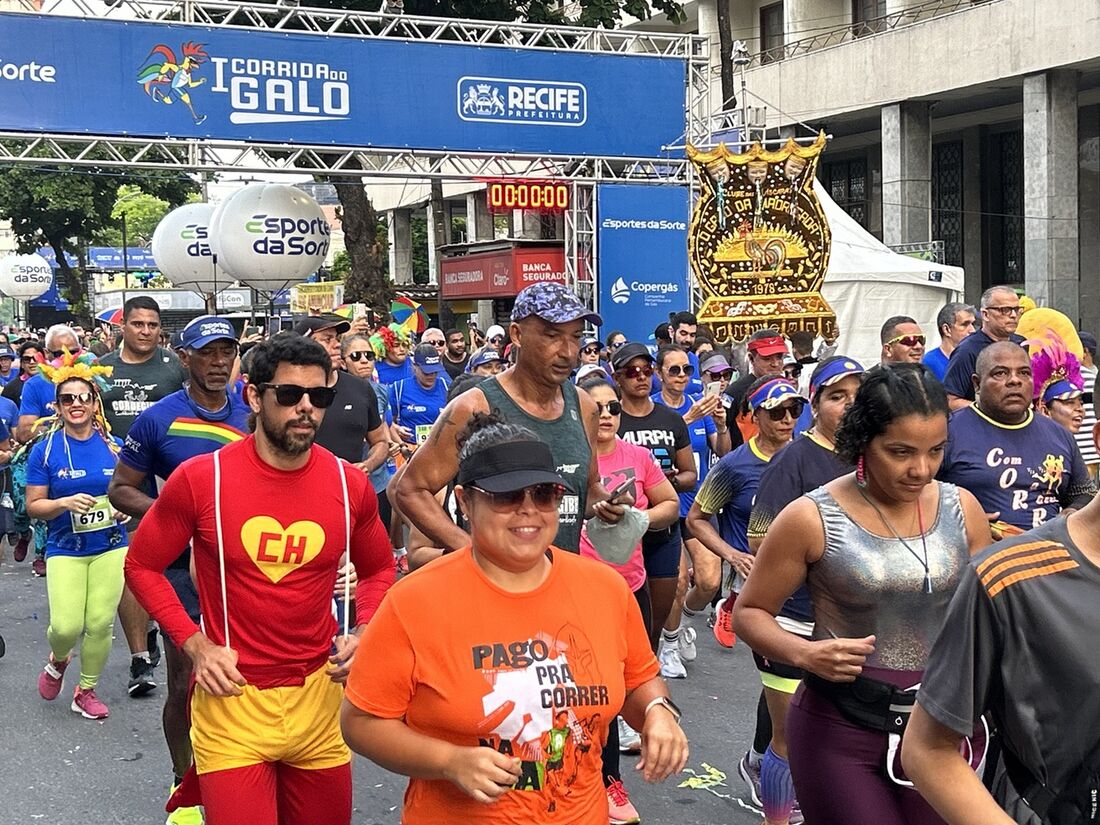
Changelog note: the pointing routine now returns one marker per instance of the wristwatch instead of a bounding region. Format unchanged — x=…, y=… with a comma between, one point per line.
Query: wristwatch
x=668, y=704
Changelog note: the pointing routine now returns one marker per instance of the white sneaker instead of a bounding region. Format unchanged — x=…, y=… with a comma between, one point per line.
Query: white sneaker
x=630, y=741
x=688, y=651
x=672, y=667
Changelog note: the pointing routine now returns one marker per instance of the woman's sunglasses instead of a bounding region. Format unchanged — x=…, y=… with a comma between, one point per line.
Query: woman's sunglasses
x=618, y=344
x=780, y=412
x=364, y=355
x=67, y=399
x=638, y=372
x=676, y=370
x=719, y=376
x=287, y=395
x=591, y=350
x=545, y=496
x=612, y=407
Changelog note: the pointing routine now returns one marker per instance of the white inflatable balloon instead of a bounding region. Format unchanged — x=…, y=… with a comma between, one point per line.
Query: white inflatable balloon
x=269, y=235
x=25, y=276
x=181, y=248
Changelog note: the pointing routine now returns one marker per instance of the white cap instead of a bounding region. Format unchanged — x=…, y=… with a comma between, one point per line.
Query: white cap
x=493, y=331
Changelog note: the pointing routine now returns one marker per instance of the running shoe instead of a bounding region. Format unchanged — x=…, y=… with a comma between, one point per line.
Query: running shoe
x=620, y=811
x=141, y=677
x=723, y=622
x=49, y=680
x=402, y=564
x=669, y=658
x=152, y=646
x=751, y=774
x=184, y=816
x=630, y=741
x=688, y=651
x=38, y=567
x=88, y=705
x=19, y=546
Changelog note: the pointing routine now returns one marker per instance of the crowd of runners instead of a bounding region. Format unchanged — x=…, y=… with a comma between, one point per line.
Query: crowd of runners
x=481, y=559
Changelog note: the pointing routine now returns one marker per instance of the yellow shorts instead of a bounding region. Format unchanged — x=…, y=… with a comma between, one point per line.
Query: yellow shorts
x=298, y=726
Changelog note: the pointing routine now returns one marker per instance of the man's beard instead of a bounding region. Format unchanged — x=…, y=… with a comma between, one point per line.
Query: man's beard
x=283, y=440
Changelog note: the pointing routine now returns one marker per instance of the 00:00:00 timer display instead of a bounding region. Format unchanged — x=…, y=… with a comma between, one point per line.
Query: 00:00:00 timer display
x=548, y=196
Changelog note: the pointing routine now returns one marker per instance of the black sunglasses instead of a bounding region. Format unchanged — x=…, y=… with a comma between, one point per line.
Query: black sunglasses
x=591, y=350
x=676, y=370
x=287, y=395
x=780, y=412
x=545, y=496
x=67, y=399
x=612, y=407
x=57, y=353
x=359, y=356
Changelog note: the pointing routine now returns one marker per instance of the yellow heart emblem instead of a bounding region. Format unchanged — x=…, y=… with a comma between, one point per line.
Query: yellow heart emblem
x=277, y=550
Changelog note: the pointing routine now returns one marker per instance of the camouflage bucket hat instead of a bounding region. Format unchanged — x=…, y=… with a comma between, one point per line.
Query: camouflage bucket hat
x=554, y=303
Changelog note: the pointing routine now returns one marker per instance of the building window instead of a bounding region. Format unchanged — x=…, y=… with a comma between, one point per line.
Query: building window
x=947, y=200
x=846, y=182
x=771, y=33
x=867, y=16
x=1003, y=207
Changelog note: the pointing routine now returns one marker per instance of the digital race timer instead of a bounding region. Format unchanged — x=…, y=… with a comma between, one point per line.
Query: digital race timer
x=535, y=195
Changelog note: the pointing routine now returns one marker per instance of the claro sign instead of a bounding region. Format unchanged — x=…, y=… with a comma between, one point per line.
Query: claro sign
x=501, y=273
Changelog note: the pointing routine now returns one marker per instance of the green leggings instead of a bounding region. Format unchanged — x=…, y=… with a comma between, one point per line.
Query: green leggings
x=84, y=592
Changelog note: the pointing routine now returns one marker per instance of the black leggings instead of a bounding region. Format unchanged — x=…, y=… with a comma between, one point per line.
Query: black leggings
x=611, y=746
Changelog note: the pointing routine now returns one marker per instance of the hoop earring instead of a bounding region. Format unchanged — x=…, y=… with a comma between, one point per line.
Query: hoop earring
x=861, y=472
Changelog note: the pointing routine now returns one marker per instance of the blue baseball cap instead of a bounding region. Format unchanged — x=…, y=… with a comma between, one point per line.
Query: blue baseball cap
x=426, y=356
x=773, y=393
x=204, y=329
x=7, y=352
x=832, y=370
x=486, y=355
x=554, y=303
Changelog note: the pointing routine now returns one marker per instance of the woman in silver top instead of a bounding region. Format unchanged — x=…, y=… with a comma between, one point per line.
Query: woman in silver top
x=882, y=550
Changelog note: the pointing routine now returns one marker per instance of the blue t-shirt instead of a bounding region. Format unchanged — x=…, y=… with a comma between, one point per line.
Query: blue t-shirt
x=700, y=432
x=730, y=490
x=1026, y=472
x=936, y=361
x=13, y=373
x=39, y=396
x=389, y=374
x=959, y=377
x=414, y=407
x=175, y=429
x=380, y=476
x=694, y=384
x=9, y=413
x=66, y=466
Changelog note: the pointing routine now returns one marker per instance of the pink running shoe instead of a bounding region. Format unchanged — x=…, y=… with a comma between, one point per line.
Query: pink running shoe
x=88, y=705
x=49, y=680
x=620, y=810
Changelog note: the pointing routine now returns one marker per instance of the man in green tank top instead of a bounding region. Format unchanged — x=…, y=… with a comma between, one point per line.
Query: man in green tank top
x=547, y=325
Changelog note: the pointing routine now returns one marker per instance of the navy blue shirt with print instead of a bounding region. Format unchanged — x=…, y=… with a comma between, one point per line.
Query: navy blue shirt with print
x=66, y=466
x=700, y=432
x=730, y=490
x=1027, y=472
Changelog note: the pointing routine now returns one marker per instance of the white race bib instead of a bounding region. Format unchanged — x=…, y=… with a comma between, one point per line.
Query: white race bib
x=100, y=517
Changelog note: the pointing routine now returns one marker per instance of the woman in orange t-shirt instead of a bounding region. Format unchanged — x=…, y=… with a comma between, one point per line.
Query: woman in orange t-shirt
x=489, y=677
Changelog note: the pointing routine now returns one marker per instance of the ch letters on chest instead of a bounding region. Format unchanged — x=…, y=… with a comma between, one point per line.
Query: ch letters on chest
x=274, y=549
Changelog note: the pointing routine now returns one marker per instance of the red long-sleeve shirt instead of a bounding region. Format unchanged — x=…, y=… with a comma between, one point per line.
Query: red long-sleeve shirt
x=283, y=533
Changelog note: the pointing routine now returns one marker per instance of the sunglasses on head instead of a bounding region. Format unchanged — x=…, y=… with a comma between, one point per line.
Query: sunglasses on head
x=545, y=496
x=907, y=340
x=637, y=372
x=676, y=370
x=67, y=399
x=591, y=350
x=287, y=395
x=779, y=413
x=361, y=355
x=612, y=407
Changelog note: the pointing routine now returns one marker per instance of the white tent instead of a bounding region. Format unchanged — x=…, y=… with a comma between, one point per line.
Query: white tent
x=867, y=282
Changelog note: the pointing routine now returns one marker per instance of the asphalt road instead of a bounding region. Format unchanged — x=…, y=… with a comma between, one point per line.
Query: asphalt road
x=61, y=768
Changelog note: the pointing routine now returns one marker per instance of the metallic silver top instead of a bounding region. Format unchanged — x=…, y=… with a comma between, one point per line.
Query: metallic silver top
x=866, y=585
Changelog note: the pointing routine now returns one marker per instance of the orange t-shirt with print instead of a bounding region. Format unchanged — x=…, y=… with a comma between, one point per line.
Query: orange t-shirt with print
x=537, y=675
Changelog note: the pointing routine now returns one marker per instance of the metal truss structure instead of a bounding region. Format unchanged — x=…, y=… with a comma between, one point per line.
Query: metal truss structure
x=196, y=156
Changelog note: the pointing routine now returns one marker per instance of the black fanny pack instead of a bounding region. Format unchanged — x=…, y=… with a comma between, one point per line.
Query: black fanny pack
x=867, y=702
x=1077, y=804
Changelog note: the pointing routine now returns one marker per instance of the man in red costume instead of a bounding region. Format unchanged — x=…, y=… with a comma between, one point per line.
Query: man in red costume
x=268, y=519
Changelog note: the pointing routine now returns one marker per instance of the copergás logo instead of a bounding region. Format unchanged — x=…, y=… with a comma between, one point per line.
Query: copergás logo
x=260, y=90
x=28, y=72
x=289, y=236
x=620, y=292
x=507, y=100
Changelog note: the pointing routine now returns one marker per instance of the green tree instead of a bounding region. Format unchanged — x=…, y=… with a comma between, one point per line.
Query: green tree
x=142, y=213
x=66, y=208
x=367, y=280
